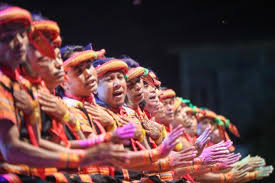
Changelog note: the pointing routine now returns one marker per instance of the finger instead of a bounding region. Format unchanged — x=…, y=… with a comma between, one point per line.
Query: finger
x=20, y=105
x=178, y=132
x=44, y=102
x=189, y=157
x=207, y=140
x=220, y=153
x=19, y=99
x=188, y=149
x=185, y=163
x=48, y=109
x=206, y=133
x=220, y=144
x=45, y=96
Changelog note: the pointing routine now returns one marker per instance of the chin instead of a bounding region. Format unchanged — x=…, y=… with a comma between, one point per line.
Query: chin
x=93, y=89
x=59, y=81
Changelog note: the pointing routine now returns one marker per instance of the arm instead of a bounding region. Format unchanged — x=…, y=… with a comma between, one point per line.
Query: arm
x=16, y=151
x=119, y=136
x=147, y=157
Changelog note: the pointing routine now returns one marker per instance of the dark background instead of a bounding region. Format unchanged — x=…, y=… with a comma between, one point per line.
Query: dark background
x=218, y=53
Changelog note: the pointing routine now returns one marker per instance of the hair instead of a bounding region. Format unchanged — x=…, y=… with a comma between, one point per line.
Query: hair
x=163, y=88
x=101, y=61
x=4, y=6
x=38, y=17
x=68, y=50
x=129, y=61
x=5, y=26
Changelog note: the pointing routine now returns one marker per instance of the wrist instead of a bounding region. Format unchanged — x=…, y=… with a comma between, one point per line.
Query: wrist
x=197, y=161
x=77, y=125
x=142, y=136
x=34, y=115
x=159, y=140
x=32, y=109
x=70, y=159
x=66, y=117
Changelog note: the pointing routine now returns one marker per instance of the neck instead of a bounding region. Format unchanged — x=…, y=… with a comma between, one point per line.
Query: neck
x=82, y=99
x=133, y=105
x=51, y=87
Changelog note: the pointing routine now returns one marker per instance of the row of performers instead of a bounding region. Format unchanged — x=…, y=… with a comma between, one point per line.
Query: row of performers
x=72, y=114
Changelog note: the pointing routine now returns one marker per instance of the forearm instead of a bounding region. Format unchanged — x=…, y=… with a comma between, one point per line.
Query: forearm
x=209, y=178
x=145, y=157
x=19, y=152
x=48, y=145
x=213, y=168
x=95, y=140
x=160, y=165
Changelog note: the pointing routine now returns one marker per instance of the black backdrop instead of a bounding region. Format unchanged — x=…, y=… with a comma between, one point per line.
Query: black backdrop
x=151, y=31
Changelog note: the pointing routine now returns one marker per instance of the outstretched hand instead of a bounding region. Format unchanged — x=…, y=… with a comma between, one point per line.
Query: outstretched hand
x=202, y=140
x=264, y=172
x=182, y=158
x=122, y=134
x=170, y=141
x=215, y=153
x=105, y=154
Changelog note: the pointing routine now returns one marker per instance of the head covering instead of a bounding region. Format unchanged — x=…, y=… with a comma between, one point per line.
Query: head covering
x=135, y=73
x=109, y=64
x=15, y=14
x=192, y=110
x=220, y=125
x=157, y=83
x=49, y=28
x=179, y=101
x=57, y=42
x=168, y=93
x=42, y=34
x=207, y=114
x=82, y=56
x=232, y=128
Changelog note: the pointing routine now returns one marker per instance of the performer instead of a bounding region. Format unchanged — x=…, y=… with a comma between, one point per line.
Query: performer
x=13, y=44
x=111, y=93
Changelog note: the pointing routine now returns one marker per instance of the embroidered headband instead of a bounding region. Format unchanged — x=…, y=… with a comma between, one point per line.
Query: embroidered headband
x=226, y=122
x=42, y=33
x=135, y=73
x=112, y=65
x=15, y=14
x=82, y=56
x=169, y=93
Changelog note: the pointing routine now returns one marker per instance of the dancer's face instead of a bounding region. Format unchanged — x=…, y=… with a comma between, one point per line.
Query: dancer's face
x=135, y=93
x=205, y=123
x=150, y=97
x=51, y=71
x=81, y=80
x=13, y=45
x=168, y=109
x=112, y=88
x=215, y=136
